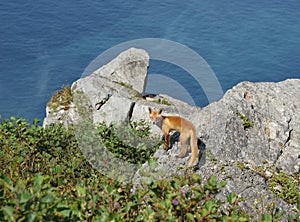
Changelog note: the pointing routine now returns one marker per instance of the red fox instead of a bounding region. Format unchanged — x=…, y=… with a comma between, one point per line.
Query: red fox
x=186, y=128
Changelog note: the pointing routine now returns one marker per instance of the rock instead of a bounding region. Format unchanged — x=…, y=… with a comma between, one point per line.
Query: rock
x=64, y=115
x=100, y=95
x=256, y=122
x=252, y=132
x=249, y=134
x=129, y=68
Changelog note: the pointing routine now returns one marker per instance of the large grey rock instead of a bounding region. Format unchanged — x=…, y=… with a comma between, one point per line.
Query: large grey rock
x=256, y=122
x=108, y=94
x=254, y=126
x=61, y=114
x=129, y=68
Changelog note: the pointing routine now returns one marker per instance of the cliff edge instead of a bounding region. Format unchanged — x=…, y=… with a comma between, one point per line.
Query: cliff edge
x=250, y=138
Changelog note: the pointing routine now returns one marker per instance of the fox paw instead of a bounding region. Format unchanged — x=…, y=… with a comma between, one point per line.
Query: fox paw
x=166, y=148
x=180, y=155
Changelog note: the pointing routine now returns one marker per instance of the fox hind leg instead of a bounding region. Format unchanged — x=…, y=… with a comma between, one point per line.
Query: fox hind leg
x=188, y=145
x=183, y=140
x=195, y=151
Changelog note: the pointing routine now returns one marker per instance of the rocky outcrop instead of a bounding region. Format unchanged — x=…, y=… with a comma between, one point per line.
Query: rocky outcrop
x=108, y=94
x=248, y=136
x=256, y=122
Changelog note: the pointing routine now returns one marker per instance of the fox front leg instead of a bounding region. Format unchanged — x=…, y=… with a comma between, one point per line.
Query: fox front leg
x=166, y=132
x=167, y=142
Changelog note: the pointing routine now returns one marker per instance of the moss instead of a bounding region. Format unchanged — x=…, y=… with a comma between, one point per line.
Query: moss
x=260, y=171
x=285, y=187
x=163, y=101
x=241, y=165
x=126, y=85
x=211, y=157
x=247, y=123
x=222, y=168
x=63, y=97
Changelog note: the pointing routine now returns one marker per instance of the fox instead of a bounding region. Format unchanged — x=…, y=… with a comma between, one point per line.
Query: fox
x=186, y=128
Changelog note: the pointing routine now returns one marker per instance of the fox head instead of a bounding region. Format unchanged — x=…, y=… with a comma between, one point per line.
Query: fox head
x=155, y=116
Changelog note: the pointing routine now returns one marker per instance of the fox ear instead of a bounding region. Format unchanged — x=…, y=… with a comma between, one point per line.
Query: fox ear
x=150, y=110
x=159, y=111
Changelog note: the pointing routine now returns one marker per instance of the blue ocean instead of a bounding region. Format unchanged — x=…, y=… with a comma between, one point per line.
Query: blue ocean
x=47, y=44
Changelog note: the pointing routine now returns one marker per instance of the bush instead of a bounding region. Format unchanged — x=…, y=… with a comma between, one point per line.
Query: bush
x=129, y=142
x=45, y=177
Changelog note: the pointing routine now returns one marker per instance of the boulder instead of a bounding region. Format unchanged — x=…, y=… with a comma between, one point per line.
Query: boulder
x=245, y=139
x=129, y=68
x=256, y=122
x=108, y=94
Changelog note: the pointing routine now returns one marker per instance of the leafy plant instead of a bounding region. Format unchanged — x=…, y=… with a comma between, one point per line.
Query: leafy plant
x=186, y=198
x=45, y=177
x=131, y=143
x=31, y=200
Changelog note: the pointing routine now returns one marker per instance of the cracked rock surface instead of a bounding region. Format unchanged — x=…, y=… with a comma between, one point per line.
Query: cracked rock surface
x=254, y=126
x=256, y=122
x=107, y=95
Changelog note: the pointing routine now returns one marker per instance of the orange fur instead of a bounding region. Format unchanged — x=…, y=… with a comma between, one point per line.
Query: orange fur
x=186, y=128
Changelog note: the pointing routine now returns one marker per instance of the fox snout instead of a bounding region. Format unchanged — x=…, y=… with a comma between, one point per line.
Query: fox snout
x=153, y=120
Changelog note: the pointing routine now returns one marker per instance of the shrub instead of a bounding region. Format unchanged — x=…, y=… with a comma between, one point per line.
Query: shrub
x=45, y=177
x=129, y=142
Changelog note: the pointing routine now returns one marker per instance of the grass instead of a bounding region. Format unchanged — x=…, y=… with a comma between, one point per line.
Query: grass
x=62, y=97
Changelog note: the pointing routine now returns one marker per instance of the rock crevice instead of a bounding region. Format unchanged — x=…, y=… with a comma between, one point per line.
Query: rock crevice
x=252, y=131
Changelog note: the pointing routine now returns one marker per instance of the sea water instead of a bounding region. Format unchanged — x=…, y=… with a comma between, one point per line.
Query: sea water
x=47, y=44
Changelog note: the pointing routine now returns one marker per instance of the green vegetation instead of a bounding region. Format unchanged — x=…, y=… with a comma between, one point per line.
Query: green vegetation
x=133, y=92
x=129, y=142
x=126, y=85
x=163, y=101
x=45, y=177
x=241, y=165
x=286, y=187
x=283, y=185
x=62, y=97
x=247, y=123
